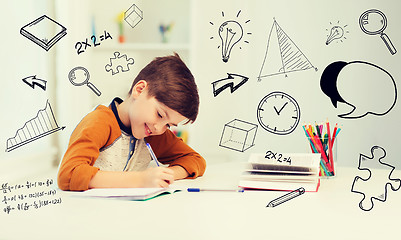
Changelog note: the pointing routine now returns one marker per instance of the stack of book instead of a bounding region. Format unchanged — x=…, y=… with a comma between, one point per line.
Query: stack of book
x=290, y=172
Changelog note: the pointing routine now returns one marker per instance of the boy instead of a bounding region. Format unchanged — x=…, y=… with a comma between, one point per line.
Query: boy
x=108, y=147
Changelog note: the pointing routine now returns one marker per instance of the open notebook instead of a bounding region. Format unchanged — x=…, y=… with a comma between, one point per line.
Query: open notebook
x=269, y=174
x=127, y=193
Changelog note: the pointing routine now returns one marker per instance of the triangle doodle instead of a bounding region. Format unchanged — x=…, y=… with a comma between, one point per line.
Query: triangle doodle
x=282, y=55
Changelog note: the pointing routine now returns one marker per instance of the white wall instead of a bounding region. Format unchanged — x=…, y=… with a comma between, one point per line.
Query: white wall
x=21, y=58
x=306, y=23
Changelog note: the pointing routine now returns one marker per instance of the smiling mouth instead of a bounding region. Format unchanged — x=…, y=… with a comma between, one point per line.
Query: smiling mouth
x=147, y=130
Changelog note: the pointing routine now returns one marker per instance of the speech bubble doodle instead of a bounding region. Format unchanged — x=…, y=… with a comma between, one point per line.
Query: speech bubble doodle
x=366, y=87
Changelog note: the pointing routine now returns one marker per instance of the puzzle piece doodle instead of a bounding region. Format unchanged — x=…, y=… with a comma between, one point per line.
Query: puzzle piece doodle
x=375, y=186
x=119, y=62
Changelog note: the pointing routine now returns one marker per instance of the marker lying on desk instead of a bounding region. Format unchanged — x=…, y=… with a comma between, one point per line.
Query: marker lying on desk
x=153, y=154
x=286, y=197
x=214, y=190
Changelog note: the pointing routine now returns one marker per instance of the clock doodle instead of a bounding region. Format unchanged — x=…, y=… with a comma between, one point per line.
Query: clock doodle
x=278, y=113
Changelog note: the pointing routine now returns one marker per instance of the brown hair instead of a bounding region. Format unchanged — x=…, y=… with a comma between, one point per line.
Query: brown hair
x=171, y=83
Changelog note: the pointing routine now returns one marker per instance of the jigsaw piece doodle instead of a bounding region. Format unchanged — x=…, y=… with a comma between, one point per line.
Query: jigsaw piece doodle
x=375, y=186
x=119, y=62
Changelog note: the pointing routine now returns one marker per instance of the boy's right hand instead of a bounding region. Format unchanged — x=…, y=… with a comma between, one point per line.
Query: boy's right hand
x=157, y=177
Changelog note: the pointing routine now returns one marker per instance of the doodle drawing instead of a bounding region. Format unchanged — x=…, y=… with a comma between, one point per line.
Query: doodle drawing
x=79, y=76
x=365, y=87
x=230, y=33
x=32, y=81
x=286, y=197
x=337, y=33
x=238, y=135
x=284, y=57
x=119, y=62
x=375, y=185
x=42, y=125
x=278, y=113
x=133, y=15
x=232, y=81
x=374, y=22
x=44, y=31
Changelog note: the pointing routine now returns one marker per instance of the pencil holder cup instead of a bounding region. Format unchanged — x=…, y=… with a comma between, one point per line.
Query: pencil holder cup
x=328, y=156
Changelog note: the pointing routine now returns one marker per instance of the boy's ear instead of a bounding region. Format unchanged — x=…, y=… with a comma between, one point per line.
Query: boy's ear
x=139, y=88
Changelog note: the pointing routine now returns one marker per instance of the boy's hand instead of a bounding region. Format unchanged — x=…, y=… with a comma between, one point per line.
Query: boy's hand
x=179, y=172
x=157, y=177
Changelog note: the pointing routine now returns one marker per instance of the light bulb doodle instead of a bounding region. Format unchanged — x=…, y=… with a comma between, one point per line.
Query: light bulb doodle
x=230, y=33
x=337, y=33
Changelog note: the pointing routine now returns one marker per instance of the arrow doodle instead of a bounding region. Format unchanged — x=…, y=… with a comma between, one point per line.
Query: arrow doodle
x=32, y=81
x=232, y=81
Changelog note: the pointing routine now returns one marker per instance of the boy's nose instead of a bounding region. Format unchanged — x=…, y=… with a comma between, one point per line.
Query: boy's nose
x=160, y=127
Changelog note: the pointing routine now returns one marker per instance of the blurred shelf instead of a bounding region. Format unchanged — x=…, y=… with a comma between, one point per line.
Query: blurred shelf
x=148, y=47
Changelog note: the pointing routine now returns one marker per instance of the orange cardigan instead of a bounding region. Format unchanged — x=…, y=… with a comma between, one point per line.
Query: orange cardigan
x=100, y=129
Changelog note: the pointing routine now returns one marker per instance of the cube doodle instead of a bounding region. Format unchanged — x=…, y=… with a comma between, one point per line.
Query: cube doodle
x=238, y=135
x=133, y=15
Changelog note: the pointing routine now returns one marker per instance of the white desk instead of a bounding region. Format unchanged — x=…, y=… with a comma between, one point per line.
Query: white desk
x=331, y=213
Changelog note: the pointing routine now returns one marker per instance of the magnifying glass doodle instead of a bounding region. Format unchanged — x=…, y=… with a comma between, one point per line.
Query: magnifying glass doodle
x=79, y=76
x=374, y=22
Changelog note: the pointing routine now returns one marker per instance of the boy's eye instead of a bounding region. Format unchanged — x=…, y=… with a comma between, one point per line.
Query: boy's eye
x=160, y=116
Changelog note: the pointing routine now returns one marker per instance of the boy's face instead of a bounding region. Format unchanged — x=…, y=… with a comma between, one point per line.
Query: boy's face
x=147, y=116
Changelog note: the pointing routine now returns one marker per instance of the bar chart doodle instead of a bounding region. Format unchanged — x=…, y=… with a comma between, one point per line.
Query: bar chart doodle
x=42, y=125
x=284, y=57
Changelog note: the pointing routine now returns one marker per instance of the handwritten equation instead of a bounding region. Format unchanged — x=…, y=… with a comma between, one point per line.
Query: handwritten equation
x=31, y=195
x=279, y=157
x=81, y=46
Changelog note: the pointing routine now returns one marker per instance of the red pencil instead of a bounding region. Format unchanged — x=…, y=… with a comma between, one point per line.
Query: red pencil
x=323, y=153
x=334, y=134
x=330, y=146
